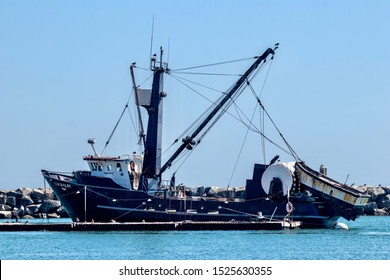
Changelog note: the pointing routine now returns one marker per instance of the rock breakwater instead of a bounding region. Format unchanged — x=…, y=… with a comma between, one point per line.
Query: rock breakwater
x=379, y=203
x=25, y=203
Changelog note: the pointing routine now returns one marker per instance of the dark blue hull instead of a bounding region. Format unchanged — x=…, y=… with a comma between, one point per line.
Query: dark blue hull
x=113, y=202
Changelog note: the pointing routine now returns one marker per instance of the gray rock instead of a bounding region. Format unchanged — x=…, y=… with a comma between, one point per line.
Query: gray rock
x=380, y=212
x=212, y=191
x=41, y=194
x=20, y=212
x=49, y=206
x=189, y=191
x=32, y=209
x=5, y=215
x=11, y=201
x=4, y=207
x=50, y=194
x=200, y=191
x=24, y=191
x=240, y=192
x=384, y=201
x=370, y=208
x=376, y=193
x=37, y=194
x=14, y=193
x=386, y=189
x=3, y=199
x=363, y=189
x=26, y=200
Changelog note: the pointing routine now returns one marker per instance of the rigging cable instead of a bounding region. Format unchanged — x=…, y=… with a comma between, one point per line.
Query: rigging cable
x=293, y=153
x=151, y=37
x=198, y=84
x=239, y=154
x=230, y=102
x=239, y=112
x=262, y=129
x=209, y=74
x=222, y=112
x=133, y=123
x=120, y=118
x=124, y=109
x=188, y=152
x=203, y=114
x=238, y=118
x=261, y=117
x=260, y=132
x=116, y=125
x=214, y=64
x=214, y=103
x=248, y=127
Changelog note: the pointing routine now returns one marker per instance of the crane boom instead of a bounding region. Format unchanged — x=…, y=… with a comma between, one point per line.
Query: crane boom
x=188, y=141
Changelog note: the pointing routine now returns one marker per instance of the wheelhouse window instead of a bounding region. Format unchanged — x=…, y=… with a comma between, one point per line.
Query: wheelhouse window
x=96, y=166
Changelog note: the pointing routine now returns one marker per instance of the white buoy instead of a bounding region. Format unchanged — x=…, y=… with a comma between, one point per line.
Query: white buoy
x=340, y=226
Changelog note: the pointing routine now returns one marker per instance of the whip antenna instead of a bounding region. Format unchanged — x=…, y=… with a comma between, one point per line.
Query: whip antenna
x=151, y=38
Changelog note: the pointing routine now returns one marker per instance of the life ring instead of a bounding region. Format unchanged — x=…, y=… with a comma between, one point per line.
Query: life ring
x=289, y=207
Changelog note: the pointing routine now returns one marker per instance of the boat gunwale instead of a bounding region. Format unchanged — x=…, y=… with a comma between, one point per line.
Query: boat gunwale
x=329, y=181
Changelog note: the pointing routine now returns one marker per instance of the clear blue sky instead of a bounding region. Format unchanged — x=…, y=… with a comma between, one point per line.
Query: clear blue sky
x=64, y=77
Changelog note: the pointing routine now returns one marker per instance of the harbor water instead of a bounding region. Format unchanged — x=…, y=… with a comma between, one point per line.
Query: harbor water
x=368, y=238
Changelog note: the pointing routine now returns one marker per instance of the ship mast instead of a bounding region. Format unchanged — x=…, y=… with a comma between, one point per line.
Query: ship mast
x=189, y=141
x=153, y=143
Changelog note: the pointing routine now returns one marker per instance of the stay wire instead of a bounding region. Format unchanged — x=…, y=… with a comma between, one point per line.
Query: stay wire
x=209, y=74
x=232, y=101
x=202, y=115
x=239, y=112
x=253, y=127
x=113, y=131
x=240, y=152
x=186, y=155
x=120, y=118
x=214, y=103
x=214, y=64
x=224, y=110
x=292, y=152
x=262, y=129
x=261, y=113
x=132, y=121
x=195, y=83
x=255, y=130
x=248, y=127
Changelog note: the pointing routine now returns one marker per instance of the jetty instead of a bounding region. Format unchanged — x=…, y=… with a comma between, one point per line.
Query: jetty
x=150, y=226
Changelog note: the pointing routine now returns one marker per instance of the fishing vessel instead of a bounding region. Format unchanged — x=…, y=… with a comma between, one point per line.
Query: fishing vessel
x=133, y=188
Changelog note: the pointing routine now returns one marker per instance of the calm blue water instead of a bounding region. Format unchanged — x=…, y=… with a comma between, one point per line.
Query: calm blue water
x=368, y=238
